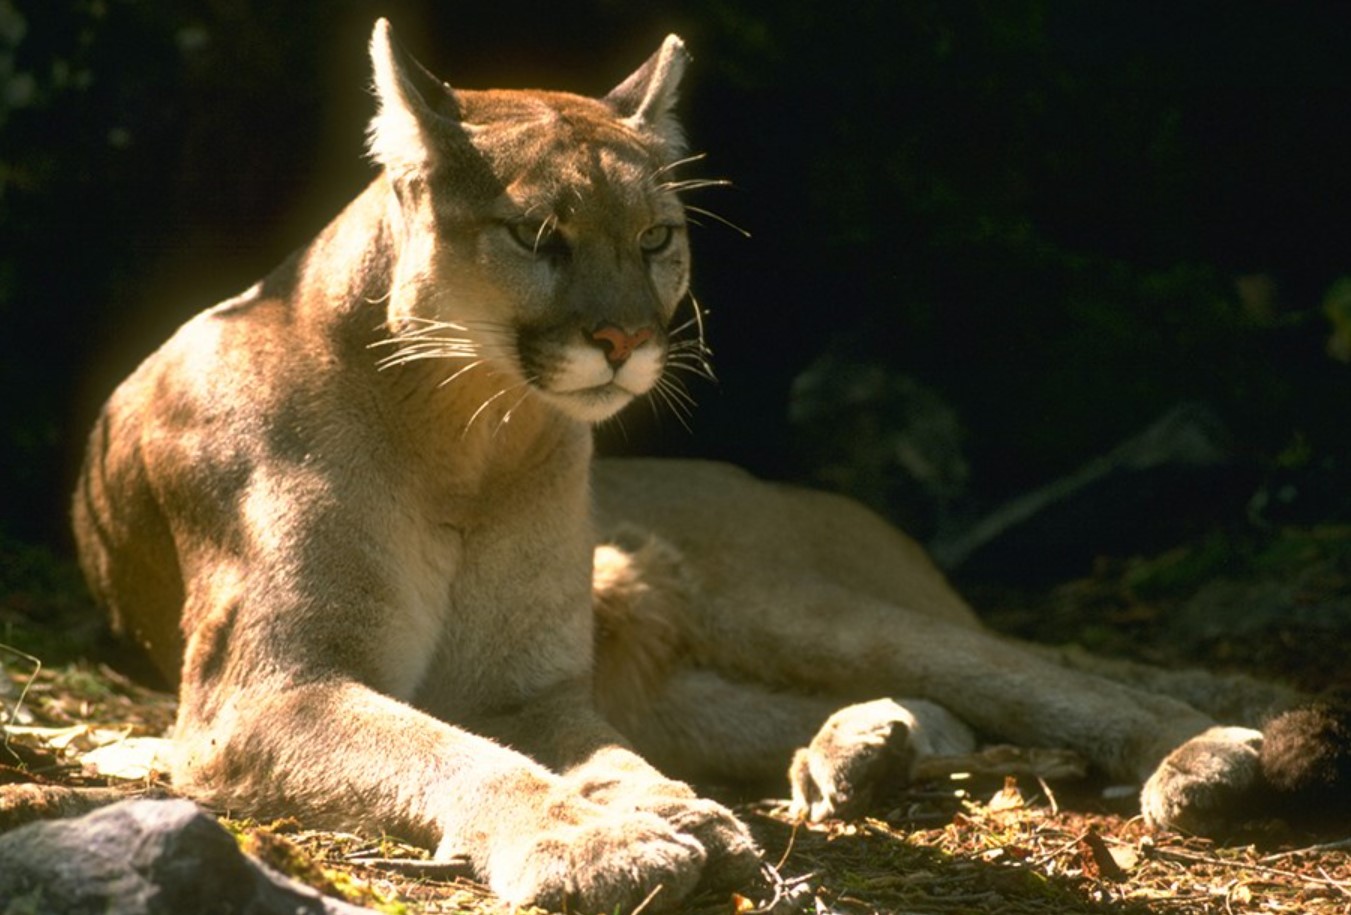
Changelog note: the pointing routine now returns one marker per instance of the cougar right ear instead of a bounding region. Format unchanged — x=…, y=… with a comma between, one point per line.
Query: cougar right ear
x=415, y=108
x=646, y=100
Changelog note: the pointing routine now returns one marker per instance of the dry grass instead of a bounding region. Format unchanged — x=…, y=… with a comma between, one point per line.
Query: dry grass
x=960, y=846
x=979, y=845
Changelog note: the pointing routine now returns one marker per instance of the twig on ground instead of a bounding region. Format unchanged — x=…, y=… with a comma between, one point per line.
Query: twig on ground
x=1339, y=845
x=1050, y=795
x=648, y=899
x=449, y=869
x=1191, y=857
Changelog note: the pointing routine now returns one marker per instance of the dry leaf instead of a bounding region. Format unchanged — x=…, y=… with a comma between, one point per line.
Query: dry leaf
x=132, y=758
x=1097, y=861
x=1008, y=797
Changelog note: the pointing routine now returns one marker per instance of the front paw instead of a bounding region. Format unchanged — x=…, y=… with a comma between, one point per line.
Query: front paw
x=733, y=857
x=587, y=858
x=858, y=749
x=622, y=784
x=1207, y=784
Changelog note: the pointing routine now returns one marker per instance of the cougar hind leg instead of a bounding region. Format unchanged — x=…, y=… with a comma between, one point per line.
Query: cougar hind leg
x=704, y=726
x=830, y=639
x=1236, y=699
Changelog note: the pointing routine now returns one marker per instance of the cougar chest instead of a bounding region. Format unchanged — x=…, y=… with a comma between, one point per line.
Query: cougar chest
x=496, y=571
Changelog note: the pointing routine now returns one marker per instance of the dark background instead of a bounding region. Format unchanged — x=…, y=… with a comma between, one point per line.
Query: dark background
x=1041, y=211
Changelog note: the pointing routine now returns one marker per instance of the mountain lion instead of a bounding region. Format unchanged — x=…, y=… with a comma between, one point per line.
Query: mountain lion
x=352, y=513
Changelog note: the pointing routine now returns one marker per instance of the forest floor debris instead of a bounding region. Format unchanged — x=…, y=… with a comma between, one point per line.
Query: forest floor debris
x=981, y=844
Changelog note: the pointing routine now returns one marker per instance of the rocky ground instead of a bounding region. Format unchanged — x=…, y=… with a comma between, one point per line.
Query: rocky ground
x=1275, y=602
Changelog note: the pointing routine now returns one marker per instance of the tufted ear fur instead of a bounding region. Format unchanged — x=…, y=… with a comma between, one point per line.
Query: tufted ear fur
x=403, y=135
x=647, y=98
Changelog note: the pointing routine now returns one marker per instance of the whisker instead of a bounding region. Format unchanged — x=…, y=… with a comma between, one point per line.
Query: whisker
x=698, y=315
x=722, y=219
x=403, y=357
x=506, y=417
x=672, y=166
x=661, y=400
x=618, y=420
x=680, y=327
x=692, y=365
x=423, y=338
x=693, y=344
x=431, y=346
x=458, y=372
x=450, y=346
x=412, y=339
x=483, y=406
x=421, y=333
x=437, y=322
x=679, y=392
x=546, y=227
x=699, y=368
x=692, y=184
x=428, y=323
x=703, y=339
x=689, y=349
x=665, y=392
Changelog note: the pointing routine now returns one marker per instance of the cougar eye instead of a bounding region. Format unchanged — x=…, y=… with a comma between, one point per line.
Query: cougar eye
x=655, y=239
x=539, y=238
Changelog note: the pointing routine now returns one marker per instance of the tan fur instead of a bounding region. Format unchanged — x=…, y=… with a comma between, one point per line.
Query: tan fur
x=351, y=513
x=797, y=604
x=642, y=592
x=347, y=510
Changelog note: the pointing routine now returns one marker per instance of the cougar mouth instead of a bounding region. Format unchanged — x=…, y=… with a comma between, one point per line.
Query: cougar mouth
x=587, y=407
x=588, y=381
x=593, y=403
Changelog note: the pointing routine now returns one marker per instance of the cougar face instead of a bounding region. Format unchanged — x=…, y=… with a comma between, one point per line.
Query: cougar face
x=542, y=230
x=601, y=259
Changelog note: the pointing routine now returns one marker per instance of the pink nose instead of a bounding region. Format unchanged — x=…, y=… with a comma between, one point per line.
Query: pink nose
x=618, y=343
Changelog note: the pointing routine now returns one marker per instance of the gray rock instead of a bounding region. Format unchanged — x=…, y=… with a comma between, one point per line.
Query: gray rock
x=145, y=857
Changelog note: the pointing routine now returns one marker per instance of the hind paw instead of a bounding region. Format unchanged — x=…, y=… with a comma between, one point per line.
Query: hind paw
x=1206, y=785
x=858, y=748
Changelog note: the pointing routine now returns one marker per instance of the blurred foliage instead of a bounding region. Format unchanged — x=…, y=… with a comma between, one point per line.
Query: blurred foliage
x=131, y=154
x=43, y=608
x=1036, y=208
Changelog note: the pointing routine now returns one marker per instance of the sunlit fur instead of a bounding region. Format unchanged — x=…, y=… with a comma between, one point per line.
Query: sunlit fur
x=346, y=511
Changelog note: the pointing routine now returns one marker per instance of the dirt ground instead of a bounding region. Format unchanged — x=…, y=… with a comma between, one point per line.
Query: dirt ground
x=1274, y=603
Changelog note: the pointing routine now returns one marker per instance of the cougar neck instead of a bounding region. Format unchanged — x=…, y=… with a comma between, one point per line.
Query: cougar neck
x=343, y=276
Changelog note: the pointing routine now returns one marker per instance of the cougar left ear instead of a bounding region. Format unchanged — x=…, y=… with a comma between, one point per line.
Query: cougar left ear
x=404, y=133
x=647, y=98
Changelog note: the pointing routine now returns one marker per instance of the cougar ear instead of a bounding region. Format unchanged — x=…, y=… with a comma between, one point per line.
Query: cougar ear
x=407, y=124
x=645, y=100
